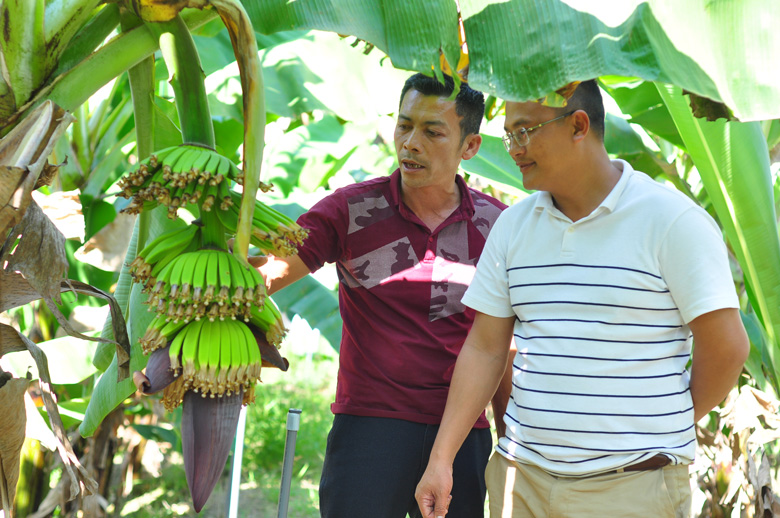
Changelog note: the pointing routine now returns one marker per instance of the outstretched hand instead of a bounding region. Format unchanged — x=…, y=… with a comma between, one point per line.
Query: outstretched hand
x=433, y=492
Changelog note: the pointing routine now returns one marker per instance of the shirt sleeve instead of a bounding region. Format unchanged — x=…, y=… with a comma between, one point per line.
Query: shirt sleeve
x=695, y=265
x=489, y=290
x=326, y=223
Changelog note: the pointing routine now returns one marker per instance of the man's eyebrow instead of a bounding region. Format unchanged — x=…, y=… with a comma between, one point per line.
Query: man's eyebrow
x=521, y=121
x=432, y=122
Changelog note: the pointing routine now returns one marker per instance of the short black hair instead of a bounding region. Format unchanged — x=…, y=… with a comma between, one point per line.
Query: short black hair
x=469, y=103
x=587, y=97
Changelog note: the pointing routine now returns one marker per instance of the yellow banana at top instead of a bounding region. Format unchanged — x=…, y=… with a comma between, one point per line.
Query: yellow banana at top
x=163, y=10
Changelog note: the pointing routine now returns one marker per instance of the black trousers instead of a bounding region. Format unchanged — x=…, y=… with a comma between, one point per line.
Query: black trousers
x=373, y=464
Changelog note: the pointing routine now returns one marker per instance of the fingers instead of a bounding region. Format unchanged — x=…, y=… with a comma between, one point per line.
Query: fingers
x=433, y=507
x=442, y=508
x=433, y=491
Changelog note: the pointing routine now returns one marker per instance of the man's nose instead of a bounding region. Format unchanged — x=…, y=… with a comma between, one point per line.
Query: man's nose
x=516, y=149
x=411, y=142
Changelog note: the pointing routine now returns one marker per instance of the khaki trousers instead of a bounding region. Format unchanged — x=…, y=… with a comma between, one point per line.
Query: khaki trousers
x=523, y=491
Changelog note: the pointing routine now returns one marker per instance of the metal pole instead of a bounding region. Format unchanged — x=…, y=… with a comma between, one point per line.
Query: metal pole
x=293, y=423
x=235, y=469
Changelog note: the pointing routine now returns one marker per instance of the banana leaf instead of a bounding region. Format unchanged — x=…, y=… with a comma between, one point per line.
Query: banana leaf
x=494, y=163
x=316, y=304
x=733, y=162
x=108, y=393
x=523, y=49
x=412, y=33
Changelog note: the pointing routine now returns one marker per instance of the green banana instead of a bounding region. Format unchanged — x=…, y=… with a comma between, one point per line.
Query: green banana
x=225, y=357
x=199, y=275
x=207, y=341
x=212, y=277
x=190, y=350
x=255, y=361
x=178, y=240
x=224, y=277
x=173, y=156
x=174, y=353
x=236, y=281
x=176, y=276
x=236, y=348
x=186, y=277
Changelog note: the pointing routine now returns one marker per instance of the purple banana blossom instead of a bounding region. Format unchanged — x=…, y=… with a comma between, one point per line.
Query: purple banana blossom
x=208, y=427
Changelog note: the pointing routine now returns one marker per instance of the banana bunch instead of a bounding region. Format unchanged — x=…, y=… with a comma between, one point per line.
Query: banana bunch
x=157, y=254
x=180, y=175
x=216, y=358
x=267, y=320
x=272, y=231
x=206, y=283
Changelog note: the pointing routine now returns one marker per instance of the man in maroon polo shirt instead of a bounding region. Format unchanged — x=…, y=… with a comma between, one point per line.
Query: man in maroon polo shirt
x=405, y=247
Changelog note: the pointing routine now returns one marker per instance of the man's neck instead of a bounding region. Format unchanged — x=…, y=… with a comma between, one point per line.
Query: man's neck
x=591, y=186
x=432, y=204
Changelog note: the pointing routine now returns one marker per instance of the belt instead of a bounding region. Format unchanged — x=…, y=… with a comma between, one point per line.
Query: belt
x=656, y=462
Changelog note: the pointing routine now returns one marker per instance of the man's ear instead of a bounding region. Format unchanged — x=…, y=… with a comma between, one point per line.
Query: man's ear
x=581, y=124
x=471, y=146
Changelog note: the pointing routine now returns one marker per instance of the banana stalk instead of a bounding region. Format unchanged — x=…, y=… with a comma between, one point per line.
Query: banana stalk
x=64, y=18
x=141, y=79
x=186, y=76
x=77, y=85
x=88, y=38
x=23, y=46
x=242, y=36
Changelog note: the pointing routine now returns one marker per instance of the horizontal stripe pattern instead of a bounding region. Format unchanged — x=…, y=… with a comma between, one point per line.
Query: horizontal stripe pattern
x=600, y=369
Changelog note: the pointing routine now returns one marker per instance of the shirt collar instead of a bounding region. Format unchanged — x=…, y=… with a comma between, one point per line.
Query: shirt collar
x=544, y=199
x=466, y=201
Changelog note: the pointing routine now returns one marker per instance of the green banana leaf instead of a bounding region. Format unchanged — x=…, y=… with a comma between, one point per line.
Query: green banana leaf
x=524, y=49
x=412, y=33
x=316, y=304
x=759, y=353
x=733, y=162
x=494, y=163
x=108, y=393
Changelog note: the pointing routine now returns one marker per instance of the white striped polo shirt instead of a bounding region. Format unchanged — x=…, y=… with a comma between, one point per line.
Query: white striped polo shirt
x=601, y=308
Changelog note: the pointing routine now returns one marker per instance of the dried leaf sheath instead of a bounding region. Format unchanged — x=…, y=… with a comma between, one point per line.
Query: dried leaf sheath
x=11, y=438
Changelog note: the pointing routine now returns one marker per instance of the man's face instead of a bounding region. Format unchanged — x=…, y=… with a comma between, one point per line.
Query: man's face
x=427, y=140
x=540, y=161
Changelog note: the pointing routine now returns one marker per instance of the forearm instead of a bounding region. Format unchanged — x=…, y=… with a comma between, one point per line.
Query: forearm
x=720, y=349
x=501, y=397
x=281, y=272
x=711, y=382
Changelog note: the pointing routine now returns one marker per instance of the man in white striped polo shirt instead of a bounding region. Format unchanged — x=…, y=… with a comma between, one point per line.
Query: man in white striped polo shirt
x=605, y=278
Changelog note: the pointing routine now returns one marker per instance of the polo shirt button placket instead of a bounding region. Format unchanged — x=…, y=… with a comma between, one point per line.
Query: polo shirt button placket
x=567, y=250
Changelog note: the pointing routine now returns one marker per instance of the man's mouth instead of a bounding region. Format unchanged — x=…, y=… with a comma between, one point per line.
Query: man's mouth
x=411, y=165
x=524, y=165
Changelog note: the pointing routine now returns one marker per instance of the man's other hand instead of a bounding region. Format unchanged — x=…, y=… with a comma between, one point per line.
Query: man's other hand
x=433, y=492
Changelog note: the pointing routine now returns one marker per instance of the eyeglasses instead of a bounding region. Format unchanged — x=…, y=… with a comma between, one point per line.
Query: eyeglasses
x=522, y=137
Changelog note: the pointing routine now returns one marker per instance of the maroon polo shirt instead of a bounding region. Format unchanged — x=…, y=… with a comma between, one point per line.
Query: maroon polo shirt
x=400, y=287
